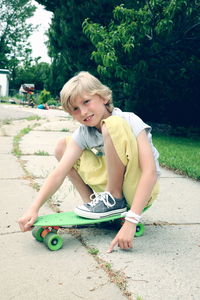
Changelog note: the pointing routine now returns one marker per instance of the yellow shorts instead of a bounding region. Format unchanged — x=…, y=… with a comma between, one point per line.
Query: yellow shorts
x=92, y=168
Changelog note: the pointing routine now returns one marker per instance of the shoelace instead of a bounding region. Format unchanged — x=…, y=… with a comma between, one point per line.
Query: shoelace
x=104, y=196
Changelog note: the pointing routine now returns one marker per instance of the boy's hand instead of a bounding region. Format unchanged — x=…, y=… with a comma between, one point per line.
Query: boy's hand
x=124, y=238
x=27, y=220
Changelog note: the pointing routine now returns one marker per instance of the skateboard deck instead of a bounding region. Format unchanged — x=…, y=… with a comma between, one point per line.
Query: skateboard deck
x=70, y=219
x=45, y=228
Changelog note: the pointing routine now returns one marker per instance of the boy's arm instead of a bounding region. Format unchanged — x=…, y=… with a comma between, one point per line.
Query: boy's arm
x=52, y=183
x=146, y=183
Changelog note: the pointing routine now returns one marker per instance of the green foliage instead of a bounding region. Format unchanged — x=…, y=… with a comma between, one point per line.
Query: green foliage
x=150, y=56
x=16, y=141
x=93, y=251
x=6, y=122
x=41, y=153
x=69, y=48
x=36, y=73
x=53, y=102
x=179, y=154
x=65, y=130
x=147, y=51
x=14, y=32
x=32, y=118
x=44, y=97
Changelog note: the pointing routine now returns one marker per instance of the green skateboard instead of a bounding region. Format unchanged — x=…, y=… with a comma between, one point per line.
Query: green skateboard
x=46, y=227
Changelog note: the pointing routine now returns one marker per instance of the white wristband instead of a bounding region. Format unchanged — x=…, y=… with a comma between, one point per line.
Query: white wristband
x=131, y=214
x=131, y=220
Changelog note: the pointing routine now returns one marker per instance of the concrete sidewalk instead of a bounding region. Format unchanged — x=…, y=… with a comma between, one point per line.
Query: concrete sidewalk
x=163, y=265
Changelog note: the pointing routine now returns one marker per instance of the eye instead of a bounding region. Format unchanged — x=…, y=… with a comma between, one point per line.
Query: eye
x=86, y=101
x=75, y=109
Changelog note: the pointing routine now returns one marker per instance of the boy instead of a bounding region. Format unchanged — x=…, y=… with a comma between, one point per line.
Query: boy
x=110, y=159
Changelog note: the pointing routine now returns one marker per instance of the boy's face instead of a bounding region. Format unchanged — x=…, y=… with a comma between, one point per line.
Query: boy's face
x=89, y=110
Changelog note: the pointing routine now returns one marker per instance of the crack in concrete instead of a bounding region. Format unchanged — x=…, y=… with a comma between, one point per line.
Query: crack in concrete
x=7, y=233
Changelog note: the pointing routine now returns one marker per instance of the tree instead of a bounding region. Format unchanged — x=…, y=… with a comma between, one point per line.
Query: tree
x=150, y=55
x=14, y=33
x=69, y=48
x=36, y=73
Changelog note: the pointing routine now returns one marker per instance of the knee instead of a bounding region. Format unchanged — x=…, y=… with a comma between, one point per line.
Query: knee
x=115, y=122
x=60, y=148
x=116, y=125
x=104, y=131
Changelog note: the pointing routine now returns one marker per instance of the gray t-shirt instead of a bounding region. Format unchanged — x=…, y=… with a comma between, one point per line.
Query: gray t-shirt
x=90, y=138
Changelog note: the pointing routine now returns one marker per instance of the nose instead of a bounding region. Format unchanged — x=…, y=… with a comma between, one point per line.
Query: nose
x=83, y=111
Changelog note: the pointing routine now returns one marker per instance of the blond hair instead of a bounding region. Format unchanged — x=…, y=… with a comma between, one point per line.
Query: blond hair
x=84, y=82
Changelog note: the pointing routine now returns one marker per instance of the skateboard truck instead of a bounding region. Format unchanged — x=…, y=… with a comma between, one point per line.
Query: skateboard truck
x=49, y=236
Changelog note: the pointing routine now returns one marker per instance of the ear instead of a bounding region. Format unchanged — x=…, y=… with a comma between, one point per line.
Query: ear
x=105, y=101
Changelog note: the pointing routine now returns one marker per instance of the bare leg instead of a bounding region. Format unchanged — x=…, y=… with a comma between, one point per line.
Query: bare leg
x=84, y=190
x=115, y=167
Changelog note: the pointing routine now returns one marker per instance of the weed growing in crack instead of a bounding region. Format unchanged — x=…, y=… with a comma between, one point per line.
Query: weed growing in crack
x=41, y=153
x=6, y=122
x=93, y=251
x=64, y=130
x=16, y=150
x=32, y=118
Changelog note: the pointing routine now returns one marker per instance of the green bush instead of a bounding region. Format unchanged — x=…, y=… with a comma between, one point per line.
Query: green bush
x=44, y=97
x=52, y=102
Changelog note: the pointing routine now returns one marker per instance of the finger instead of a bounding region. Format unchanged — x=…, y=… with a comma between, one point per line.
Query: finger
x=21, y=226
x=125, y=245
x=130, y=245
x=122, y=245
x=112, y=245
x=27, y=227
x=29, y=224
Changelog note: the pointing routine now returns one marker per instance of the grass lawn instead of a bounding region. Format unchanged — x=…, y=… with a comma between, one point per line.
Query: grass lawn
x=179, y=154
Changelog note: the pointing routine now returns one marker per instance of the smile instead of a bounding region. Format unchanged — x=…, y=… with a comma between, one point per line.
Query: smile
x=88, y=118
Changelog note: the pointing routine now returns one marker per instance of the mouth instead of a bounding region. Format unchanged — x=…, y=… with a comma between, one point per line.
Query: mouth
x=88, y=118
